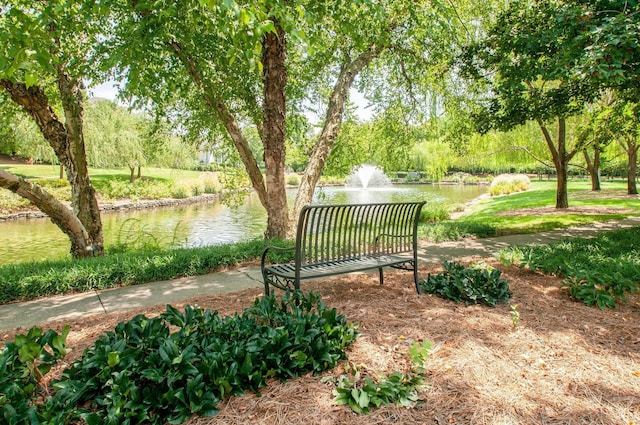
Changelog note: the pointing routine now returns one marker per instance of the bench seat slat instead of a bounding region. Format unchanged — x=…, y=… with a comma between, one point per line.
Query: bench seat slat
x=288, y=270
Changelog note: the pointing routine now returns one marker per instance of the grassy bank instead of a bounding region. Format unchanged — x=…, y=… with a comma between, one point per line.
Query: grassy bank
x=533, y=211
x=27, y=281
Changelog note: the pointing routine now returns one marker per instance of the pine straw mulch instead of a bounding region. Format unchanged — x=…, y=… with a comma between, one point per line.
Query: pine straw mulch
x=564, y=364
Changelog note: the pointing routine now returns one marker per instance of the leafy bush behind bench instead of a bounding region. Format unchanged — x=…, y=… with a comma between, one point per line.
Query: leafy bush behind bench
x=480, y=284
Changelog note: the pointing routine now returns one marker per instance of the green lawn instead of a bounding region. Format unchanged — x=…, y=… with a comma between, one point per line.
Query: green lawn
x=113, y=183
x=485, y=219
x=38, y=171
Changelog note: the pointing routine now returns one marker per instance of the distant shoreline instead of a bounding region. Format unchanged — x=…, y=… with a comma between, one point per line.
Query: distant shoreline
x=121, y=205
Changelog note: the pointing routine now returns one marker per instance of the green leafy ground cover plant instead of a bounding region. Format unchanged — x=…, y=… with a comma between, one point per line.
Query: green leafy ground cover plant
x=478, y=284
x=23, y=365
x=597, y=271
x=27, y=281
x=165, y=369
x=364, y=394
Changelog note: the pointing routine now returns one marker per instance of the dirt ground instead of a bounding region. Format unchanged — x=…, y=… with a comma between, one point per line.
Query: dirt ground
x=6, y=159
x=564, y=363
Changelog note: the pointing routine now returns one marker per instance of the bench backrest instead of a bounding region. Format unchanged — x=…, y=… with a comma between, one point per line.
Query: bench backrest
x=341, y=232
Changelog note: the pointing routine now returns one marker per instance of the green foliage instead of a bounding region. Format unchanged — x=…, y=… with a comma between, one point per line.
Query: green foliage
x=505, y=184
x=434, y=212
x=419, y=354
x=528, y=53
x=363, y=394
x=133, y=236
x=32, y=280
x=455, y=230
x=114, y=189
x=479, y=284
x=434, y=157
x=23, y=364
x=210, y=183
x=167, y=368
x=597, y=271
x=182, y=190
x=10, y=202
x=293, y=180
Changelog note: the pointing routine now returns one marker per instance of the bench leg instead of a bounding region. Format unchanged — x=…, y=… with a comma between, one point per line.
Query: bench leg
x=381, y=277
x=415, y=277
x=265, y=279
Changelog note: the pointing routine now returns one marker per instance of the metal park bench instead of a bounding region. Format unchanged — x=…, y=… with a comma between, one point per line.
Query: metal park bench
x=337, y=239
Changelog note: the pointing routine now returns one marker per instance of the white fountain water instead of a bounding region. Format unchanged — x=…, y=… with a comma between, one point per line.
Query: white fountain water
x=367, y=176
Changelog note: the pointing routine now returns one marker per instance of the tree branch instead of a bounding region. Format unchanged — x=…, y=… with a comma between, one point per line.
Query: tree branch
x=59, y=214
x=232, y=126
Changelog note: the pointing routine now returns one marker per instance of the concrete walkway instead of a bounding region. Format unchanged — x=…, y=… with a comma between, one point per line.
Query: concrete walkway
x=38, y=312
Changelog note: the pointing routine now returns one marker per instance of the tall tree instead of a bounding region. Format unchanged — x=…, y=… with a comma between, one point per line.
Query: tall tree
x=116, y=137
x=42, y=51
x=252, y=62
x=526, y=59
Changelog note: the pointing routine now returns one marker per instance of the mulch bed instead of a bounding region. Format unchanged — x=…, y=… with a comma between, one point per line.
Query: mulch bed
x=565, y=363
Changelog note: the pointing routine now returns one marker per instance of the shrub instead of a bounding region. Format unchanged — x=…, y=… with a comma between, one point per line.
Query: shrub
x=52, y=183
x=198, y=188
x=9, y=201
x=505, y=184
x=454, y=230
x=479, y=284
x=181, y=190
x=293, y=180
x=434, y=212
x=210, y=182
x=142, y=373
x=597, y=271
x=139, y=189
x=399, y=388
x=331, y=180
x=23, y=365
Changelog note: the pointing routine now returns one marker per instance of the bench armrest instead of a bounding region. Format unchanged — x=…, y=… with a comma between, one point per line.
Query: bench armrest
x=265, y=253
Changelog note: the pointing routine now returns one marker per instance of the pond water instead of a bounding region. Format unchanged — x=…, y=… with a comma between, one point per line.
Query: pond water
x=203, y=224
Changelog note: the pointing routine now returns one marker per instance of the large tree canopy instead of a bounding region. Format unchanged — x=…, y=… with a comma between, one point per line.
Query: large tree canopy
x=236, y=64
x=607, y=46
x=526, y=58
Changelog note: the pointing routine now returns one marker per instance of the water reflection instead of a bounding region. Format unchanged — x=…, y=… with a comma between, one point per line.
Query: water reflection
x=202, y=225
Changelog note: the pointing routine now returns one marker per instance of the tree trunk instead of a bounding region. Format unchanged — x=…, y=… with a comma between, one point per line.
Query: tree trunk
x=593, y=167
x=83, y=195
x=562, y=196
x=632, y=169
x=561, y=160
x=132, y=174
x=333, y=120
x=59, y=214
x=67, y=142
x=61, y=172
x=139, y=176
x=273, y=137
